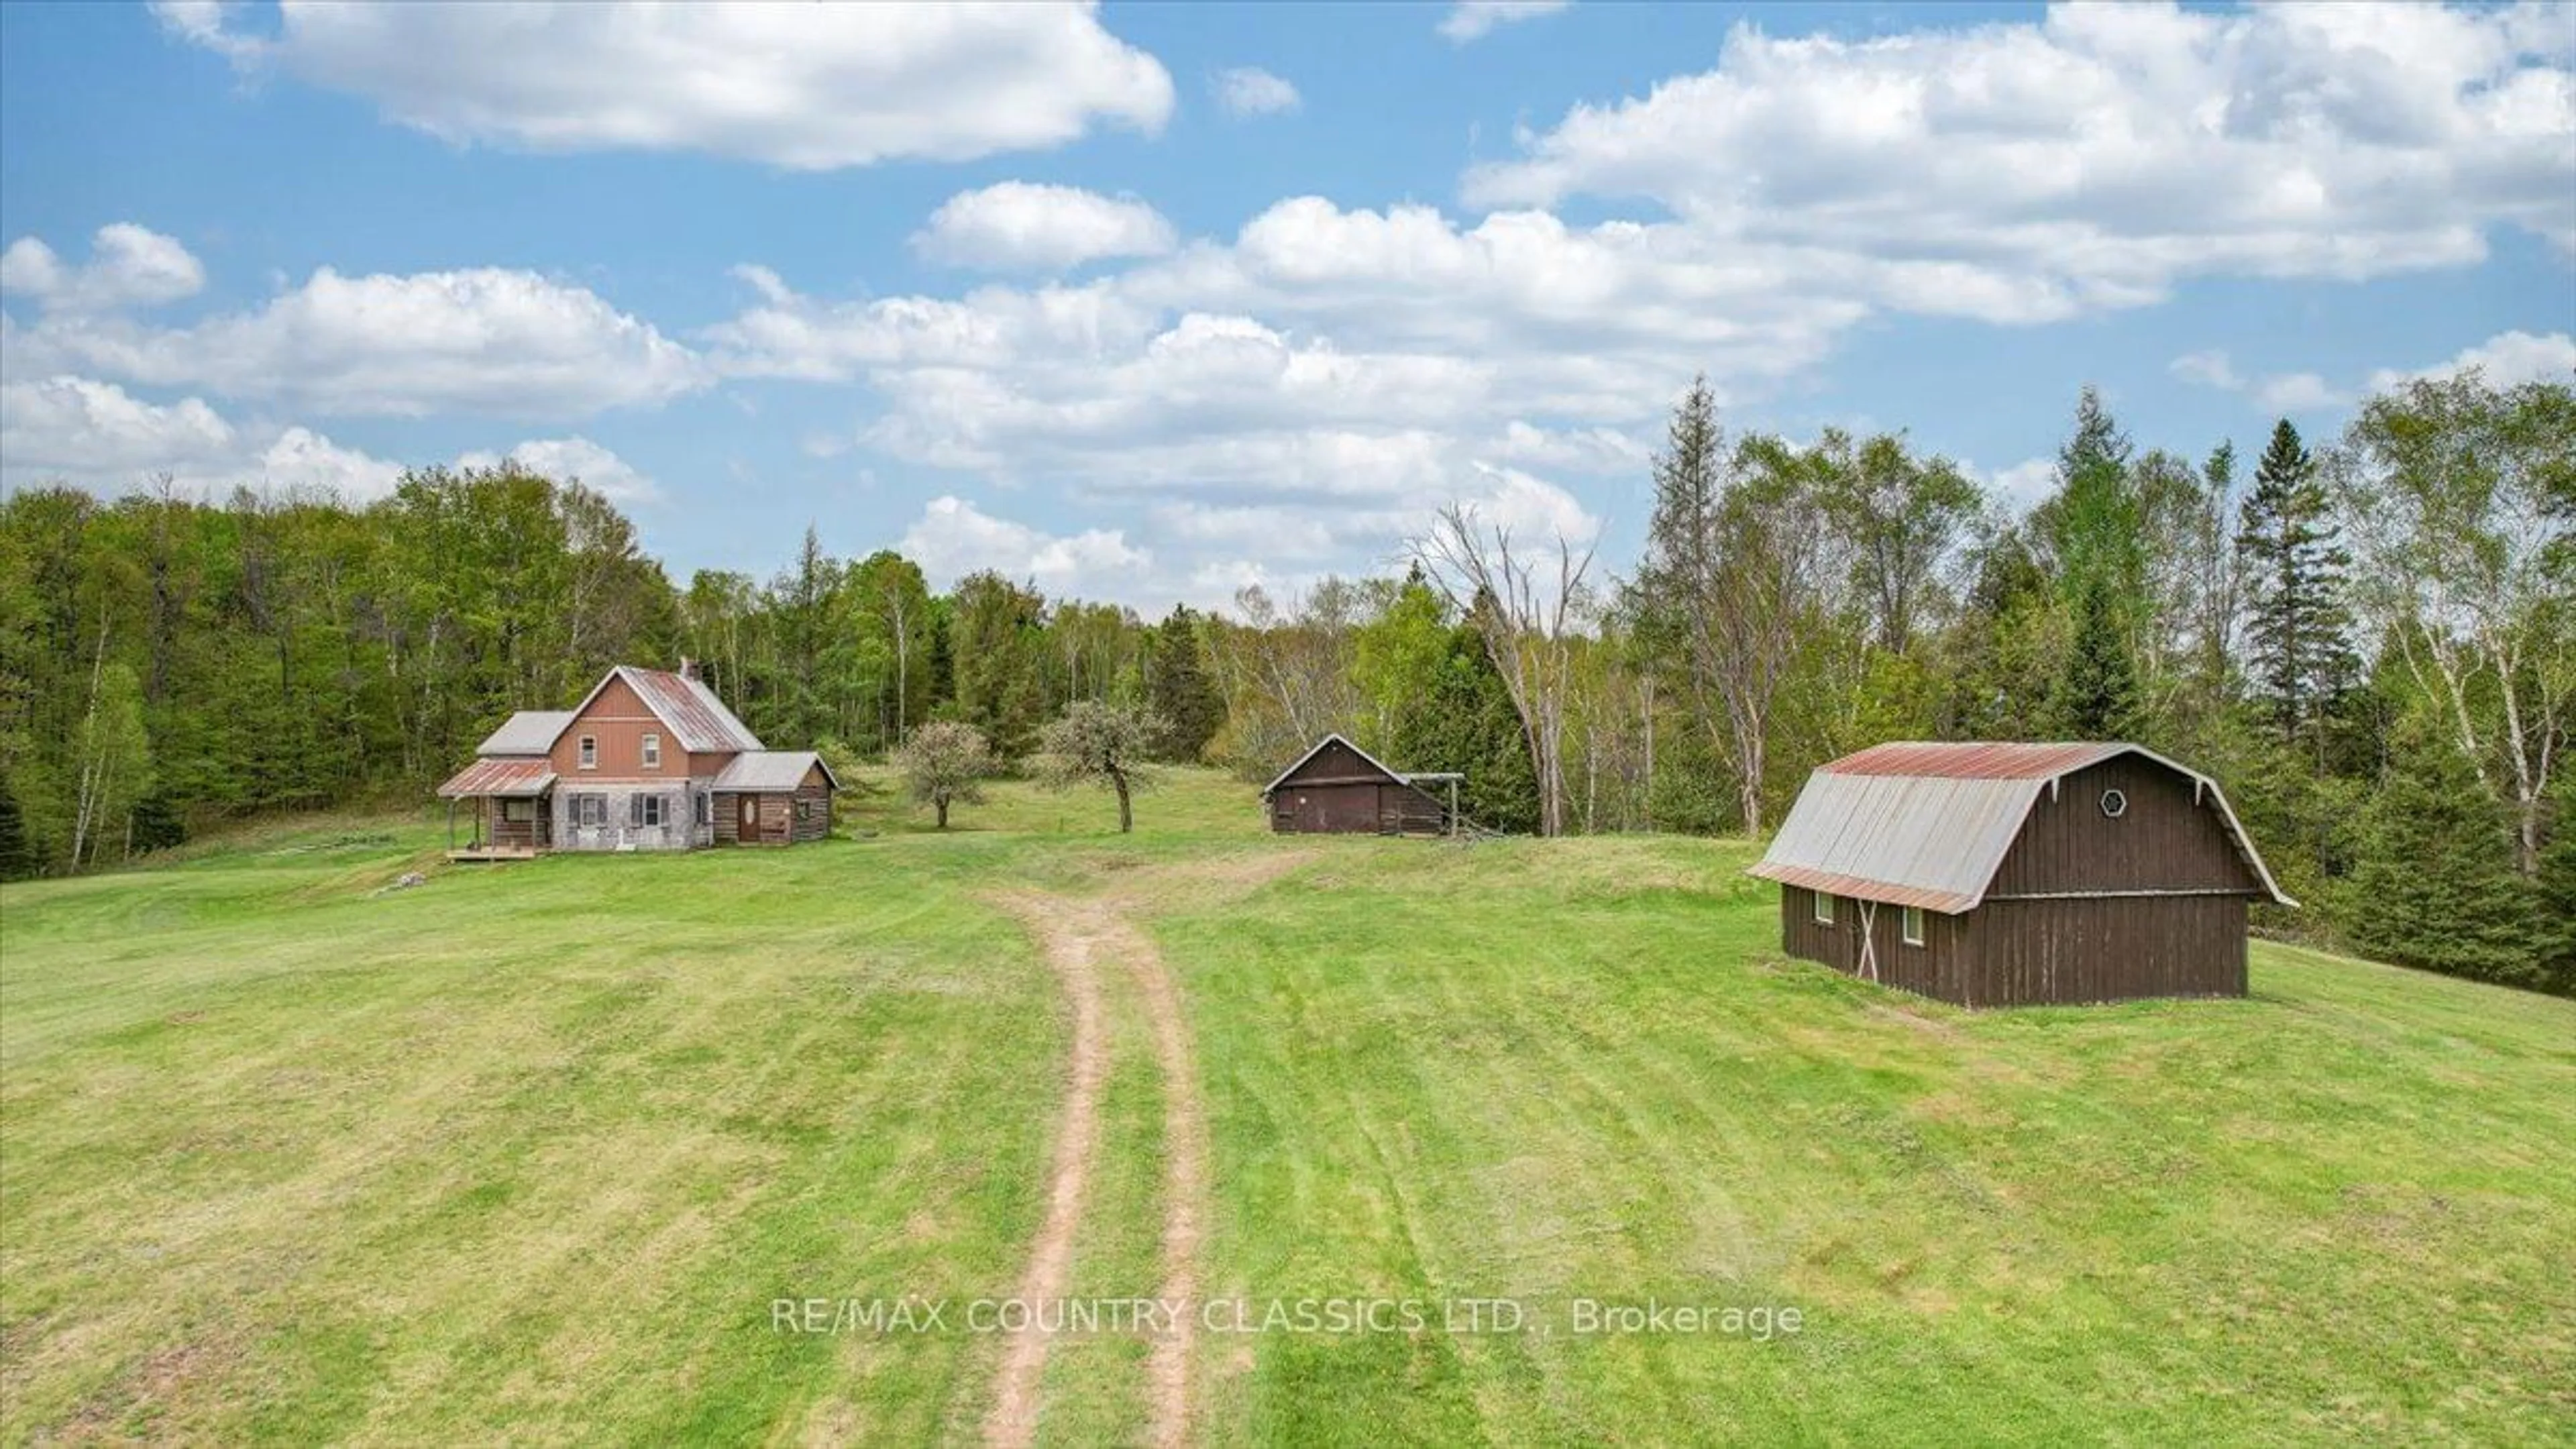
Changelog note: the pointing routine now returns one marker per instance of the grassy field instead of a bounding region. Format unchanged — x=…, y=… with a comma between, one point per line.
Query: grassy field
x=527, y=1153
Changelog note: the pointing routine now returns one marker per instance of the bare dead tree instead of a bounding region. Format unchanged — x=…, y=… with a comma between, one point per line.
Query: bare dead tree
x=1527, y=623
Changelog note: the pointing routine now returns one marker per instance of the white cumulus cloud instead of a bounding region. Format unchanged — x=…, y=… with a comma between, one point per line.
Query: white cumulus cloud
x=574, y=459
x=95, y=435
x=506, y=343
x=1019, y=225
x=1248, y=90
x=953, y=538
x=129, y=266
x=2508, y=359
x=801, y=86
x=1474, y=19
x=2028, y=171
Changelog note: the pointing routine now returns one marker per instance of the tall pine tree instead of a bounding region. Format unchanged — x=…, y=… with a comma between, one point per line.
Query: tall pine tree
x=2097, y=692
x=2435, y=885
x=2303, y=659
x=1179, y=692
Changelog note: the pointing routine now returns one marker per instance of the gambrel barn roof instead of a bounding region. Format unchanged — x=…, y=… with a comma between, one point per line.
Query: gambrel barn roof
x=1926, y=825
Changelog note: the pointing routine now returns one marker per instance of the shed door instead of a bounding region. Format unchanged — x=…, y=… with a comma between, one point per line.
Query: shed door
x=750, y=827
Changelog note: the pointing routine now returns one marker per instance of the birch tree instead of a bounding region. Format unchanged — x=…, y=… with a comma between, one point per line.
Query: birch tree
x=2446, y=487
x=1524, y=603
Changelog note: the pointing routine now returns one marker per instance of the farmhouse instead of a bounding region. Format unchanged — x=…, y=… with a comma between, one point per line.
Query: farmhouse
x=650, y=760
x=1338, y=788
x=2018, y=874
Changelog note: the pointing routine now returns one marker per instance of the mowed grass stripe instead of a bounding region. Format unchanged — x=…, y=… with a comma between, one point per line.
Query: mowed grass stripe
x=1569, y=1067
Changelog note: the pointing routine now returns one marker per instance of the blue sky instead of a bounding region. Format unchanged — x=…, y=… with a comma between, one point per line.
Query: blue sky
x=1079, y=295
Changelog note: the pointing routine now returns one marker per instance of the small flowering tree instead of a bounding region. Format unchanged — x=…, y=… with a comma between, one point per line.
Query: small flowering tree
x=945, y=763
x=1100, y=744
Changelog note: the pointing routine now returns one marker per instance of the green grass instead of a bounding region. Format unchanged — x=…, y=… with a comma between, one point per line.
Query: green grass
x=526, y=1153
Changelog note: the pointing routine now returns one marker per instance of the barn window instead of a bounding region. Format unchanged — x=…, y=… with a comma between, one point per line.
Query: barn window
x=1824, y=909
x=590, y=752
x=2114, y=804
x=652, y=752
x=646, y=810
x=1913, y=925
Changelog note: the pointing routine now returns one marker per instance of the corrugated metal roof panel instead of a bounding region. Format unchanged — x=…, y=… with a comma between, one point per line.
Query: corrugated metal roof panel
x=529, y=732
x=1927, y=824
x=501, y=776
x=691, y=710
x=1899, y=838
x=759, y=770
x=1978, y=759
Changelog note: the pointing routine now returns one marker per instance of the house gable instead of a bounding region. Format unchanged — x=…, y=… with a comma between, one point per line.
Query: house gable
x=617, y=719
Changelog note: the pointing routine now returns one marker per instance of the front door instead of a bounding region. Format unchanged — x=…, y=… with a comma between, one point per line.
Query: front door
x=749, y=829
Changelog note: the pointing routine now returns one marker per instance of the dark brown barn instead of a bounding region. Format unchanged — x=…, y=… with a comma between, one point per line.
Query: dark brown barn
x=2018, y=874
x=1340, y=789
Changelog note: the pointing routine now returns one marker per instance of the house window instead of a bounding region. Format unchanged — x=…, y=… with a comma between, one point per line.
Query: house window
x=518, y=812
x=1913, y=925
x=590, y=752
x=647, y=810
x=590, y=811
x=1824, y=909
x=804, y=809
x=652, y=752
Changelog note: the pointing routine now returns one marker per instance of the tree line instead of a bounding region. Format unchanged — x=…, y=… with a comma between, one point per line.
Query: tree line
x=2369, y=643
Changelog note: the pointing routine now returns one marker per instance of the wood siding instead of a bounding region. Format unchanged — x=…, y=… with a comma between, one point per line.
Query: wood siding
x=1336, y=792
x=777, y=819
x=2164, y=841
x=2032, y=953
x=619, y=721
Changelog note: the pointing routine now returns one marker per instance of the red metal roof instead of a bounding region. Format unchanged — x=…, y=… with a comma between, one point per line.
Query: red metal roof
x=501, y=776
x=1977, y=759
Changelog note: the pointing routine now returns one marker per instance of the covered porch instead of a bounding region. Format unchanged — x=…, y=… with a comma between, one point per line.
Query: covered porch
x=508, y=818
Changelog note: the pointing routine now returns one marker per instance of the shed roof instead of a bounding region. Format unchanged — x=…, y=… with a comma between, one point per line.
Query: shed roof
x=502, y=775
x=766, y=770
x=1926, y=824
x=528, y=732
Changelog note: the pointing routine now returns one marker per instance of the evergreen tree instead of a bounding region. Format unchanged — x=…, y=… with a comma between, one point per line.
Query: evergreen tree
x=2555, y=894
x=2435, y=885
x=17, y=859
x=1179, y=692
x=2097, y=691
x=2303, y=659
x=1464, y=722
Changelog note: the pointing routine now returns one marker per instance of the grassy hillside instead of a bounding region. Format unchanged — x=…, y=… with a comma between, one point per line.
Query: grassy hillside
x=528, y=1152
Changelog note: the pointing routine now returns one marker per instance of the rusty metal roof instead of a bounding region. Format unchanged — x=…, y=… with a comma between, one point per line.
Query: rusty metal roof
x=528, y=732
x=1917, y=824
x=1978, y=760
x=691, y=710
x=758, y=770
x=500, y=776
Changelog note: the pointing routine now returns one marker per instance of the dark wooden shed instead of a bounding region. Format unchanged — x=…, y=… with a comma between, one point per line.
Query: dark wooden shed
x=1337, y=788
x=2018, y=874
